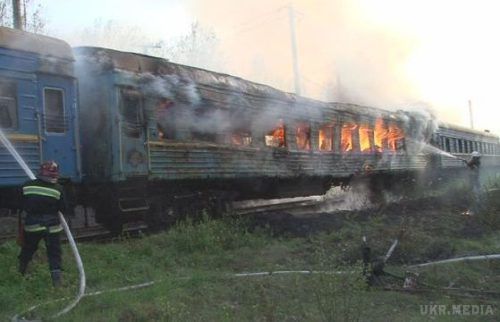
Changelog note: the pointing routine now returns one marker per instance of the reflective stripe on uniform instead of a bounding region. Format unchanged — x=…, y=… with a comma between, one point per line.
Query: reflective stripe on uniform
x=42, y=191
x=39, y=228
x=55, y=229
x=34, y=228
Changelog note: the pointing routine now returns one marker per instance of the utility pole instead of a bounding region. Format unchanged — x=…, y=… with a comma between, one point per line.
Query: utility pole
x=17, y=15
x=291, y=15
x=470, y=115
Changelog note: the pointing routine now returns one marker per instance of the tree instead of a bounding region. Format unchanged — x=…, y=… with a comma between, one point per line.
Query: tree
x=31, y=11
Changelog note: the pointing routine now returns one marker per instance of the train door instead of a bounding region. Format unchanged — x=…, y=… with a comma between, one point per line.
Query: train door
x=57, y=124
x=132, y=136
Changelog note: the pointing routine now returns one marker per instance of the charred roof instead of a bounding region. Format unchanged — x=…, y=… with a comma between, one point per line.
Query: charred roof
x=139, y=63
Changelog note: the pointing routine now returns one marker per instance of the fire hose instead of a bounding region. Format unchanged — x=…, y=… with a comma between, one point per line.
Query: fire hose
x=74, y=249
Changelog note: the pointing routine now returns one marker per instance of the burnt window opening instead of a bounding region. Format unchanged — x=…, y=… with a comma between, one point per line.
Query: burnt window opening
x=460, y=146
x=303, y=136
x=205, y=125
x=165, y=119
x=8, y=105
x=204, y=136
x=239, y=137
x=346, y=137
x=380, y=135
x=325, y=137
x=55, y=120
x=395, y=138
x=276, y=137
x=365, y=135
x=131, y=109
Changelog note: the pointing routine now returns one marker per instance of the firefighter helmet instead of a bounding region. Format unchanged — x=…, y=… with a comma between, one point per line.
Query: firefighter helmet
x=475, y=154
x=49, y=170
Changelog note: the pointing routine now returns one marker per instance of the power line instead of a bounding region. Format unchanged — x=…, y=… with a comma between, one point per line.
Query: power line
x=253, y=20
x=258, y=22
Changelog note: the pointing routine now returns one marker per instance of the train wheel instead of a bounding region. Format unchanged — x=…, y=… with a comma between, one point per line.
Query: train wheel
x=160, y=216
x=109, y=217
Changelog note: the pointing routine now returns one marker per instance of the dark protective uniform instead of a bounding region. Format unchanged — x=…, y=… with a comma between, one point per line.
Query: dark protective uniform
x=42, y=201
x=474, y=178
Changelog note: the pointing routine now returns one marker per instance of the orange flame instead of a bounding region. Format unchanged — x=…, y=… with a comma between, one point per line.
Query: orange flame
x=346, y=144
x=326, y=138
x=276, y=137
x=395, y=137
x=303, y=136
x=365, y=133
x=381, y=134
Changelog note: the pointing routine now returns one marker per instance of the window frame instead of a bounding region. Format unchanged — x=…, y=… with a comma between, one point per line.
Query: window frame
x=65, y=125
x=14, y=109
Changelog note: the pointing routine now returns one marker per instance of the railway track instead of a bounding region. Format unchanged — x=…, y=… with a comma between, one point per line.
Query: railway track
x=259, y=206
x=240, y=208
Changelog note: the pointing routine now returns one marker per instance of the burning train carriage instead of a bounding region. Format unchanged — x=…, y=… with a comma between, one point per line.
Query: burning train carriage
x=162, y=136
x=160, y=139
x=37, y=109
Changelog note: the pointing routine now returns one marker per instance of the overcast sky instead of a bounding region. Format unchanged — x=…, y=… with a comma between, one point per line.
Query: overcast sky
x=387, y=53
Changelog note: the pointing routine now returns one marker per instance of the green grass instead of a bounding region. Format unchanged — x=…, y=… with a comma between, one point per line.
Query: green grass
x=194, y=264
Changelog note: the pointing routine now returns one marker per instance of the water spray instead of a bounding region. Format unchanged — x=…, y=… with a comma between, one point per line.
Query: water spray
x=64, y=224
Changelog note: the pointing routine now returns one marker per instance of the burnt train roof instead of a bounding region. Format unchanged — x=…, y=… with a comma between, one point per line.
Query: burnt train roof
x=33, y=43
x=140, y=63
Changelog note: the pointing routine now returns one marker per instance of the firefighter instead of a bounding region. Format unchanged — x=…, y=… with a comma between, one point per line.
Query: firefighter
x=42, y=200
x=474, y=165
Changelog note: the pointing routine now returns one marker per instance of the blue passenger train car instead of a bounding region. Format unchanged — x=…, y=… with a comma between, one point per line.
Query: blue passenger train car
x=38, y=107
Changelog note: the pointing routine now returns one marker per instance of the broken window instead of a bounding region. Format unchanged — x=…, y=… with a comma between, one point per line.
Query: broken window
x=8, y=106
x=165, y=119
x=303, y=136
x=240, y=138
x=276, y=137
x=395, y=137
x=380, y=135
x=326, y=137
x=365, y=137
x=206, y=124
x=55, y=121
x=346, y=137
x=131, y=109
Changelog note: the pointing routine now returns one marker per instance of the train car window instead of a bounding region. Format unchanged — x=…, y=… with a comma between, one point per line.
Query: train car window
x=8, y=105
x=380, y=135
x=346, y=137
x=239, y=138
x=466, y=146
x=131, y=109
x=205, y=124
x=460, y=146
x=165, y=119
x=55, y=121
x=447, y=144
x=276, y=137
x=395, y=138
x=325, y=137
x=303, y=135
x=365, y=135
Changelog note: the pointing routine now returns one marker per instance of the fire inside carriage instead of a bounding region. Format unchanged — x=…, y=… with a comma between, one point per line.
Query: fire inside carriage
x=141, y=137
